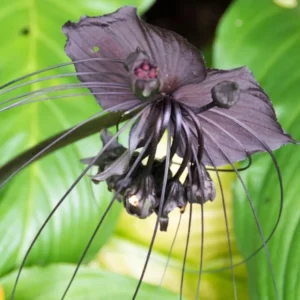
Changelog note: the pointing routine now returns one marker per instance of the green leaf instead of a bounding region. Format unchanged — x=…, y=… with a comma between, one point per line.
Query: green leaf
x=31, y=39
x=266, y=37
x=50, y=282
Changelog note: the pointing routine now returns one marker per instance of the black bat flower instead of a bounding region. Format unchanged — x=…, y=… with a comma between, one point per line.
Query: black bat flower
x=211, y=117
x=214, y=117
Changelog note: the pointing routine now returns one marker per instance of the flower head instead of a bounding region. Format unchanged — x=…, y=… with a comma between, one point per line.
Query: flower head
x=214, y=117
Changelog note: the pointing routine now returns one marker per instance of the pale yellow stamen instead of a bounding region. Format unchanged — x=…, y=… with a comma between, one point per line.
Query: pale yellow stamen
x=133, y=200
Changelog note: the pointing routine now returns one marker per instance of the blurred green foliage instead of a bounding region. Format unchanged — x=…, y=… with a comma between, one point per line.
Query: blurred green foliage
x=49, y=283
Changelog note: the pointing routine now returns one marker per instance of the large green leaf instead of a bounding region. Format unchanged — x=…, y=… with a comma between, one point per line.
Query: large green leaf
x=266, y=37
x=31, y=39
x=49, y=283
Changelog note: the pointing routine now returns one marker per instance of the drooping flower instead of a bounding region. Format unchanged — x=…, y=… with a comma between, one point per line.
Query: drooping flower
x=214, y=117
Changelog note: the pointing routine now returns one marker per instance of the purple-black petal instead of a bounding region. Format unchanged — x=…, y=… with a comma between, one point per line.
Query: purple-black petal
x=249, y=126
x=119, y=34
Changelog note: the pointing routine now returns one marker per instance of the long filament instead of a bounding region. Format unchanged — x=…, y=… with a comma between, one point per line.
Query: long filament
x=132, y=168
x=164, y=185
x=63, y=198
x=255, y=216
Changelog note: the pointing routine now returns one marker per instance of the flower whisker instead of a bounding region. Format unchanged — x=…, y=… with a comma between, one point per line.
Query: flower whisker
x=202, y=185
x=64, y=96
x=170, y=251
x=186, y=250
x=275, y=163
x=124, y=127
x=264, y=240
x=52, y=77
x=240, y=169
x=115, y=196
x=61, y=87
x=161, y=202
x=59, y=66
x=226, y=225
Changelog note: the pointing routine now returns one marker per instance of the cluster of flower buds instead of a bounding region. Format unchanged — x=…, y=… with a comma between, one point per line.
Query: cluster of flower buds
x=141, y=190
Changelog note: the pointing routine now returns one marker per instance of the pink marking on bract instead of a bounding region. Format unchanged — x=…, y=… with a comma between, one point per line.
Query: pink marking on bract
x=153, y=73
x=142, y=75
x=138, y=71
x=146, y=67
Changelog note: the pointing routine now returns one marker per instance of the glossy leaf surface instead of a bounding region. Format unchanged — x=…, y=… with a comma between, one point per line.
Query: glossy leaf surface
x=50, y=282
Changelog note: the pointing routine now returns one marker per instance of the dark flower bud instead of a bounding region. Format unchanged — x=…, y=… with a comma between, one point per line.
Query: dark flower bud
x=112, y=152
x=117, y=167
x=140, y=198
x=175, y=197
x=112, y=165
x=225, y=94
x=143, y=74
x=118, y=184
x=201, y=189
x=115, y=149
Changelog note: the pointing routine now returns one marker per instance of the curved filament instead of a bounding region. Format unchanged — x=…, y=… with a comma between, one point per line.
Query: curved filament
x=227, y=228
x=275, y=163
x=227, y=170
x=163, y=192
x=131, y=170
x=25, y=101
x=64, y=197
x=249, y=158
x=254, y=213
x=35, y=94
x=58, y=66
x=65, y=75
x=201, y=184
x=170, y=251
x=186, y=250
x=184, y=165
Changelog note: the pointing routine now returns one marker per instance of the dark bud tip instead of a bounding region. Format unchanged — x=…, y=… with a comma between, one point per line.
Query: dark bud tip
x=225, y=94
x=201, y=189
x=143, y=74
x=118, y=185
x=175, y=197
x=182, y=209
x=140, y=199
x=163, y=223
